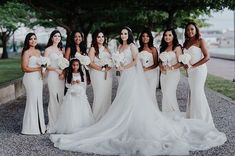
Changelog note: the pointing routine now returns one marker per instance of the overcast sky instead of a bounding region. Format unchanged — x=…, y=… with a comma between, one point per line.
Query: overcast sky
x=222, y=20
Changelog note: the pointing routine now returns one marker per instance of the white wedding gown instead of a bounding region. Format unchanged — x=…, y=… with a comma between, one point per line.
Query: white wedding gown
x=75, y=111
x=102, y=88
x=33, y=121
x=56, y=90
x=133, y=125
x=198, y=107
x=169, y=83
x=152, y=76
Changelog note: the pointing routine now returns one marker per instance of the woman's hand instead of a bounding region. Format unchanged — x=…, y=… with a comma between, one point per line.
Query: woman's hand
x=58, y=71
x=107, y=68
x=61, y=76
x=120, y=68
x=145, y=69
x=167, y=67
x=187, y=66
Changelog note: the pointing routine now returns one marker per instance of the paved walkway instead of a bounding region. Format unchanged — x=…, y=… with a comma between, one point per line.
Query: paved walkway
x=222, y=68
x=13, y=143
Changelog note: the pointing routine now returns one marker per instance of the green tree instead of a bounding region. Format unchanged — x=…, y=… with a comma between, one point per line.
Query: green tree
x=87, y=15
x=12, y=16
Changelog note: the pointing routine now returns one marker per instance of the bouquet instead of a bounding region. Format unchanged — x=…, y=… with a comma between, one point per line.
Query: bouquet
x=63, y=63
x=44, y=62
x=118, y=59
x=84, y=60
x=165, y=58
x=105, y=62
x=144, y=59
x=185, y=58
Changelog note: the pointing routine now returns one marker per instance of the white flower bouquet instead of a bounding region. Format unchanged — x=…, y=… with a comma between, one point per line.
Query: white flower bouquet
x=165, y=58
x=44, y=62
x=185, y=58
x=118, y=59
x=63, y=63
x=105, y=62
x=84, y=59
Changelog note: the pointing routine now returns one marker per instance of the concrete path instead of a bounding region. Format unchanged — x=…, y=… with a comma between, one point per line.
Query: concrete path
x=222, y=68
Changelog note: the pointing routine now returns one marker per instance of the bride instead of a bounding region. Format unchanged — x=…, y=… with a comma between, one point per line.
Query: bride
x=134, y=125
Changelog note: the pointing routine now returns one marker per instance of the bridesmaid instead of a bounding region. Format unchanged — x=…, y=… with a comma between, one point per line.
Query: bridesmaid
x=102, y=88
x=149, y=61
x=198, y=107
x=170, y=74
x=55, y=84
x=33, y=121
x=77, y=45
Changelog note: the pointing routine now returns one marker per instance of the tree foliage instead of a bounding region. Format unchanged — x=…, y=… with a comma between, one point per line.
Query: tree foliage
x=12, y=16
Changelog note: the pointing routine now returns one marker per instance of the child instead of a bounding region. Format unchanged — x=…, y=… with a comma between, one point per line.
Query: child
x=75, y=111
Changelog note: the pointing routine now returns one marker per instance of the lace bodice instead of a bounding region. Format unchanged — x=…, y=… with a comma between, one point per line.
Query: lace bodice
x=103, y=55
x=146, y=58
x=195, y=52
x=53, y=56
x=33, y=61
x=173, y=59
x=128, y=58
x=76, y=76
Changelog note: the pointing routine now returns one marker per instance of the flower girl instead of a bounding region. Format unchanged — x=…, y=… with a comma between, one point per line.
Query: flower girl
x=75, y=111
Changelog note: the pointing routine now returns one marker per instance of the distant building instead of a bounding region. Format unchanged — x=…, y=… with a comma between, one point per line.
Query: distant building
x=211, y=37
x=226, y=39
x=219, y=38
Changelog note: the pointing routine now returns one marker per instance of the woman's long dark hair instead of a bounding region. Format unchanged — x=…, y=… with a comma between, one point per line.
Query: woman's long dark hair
x=72, y=44
x=197, y=35
x=150, y=43
x=50, y=42
x=26, y=43
x=94, y=41
x=69, y=73
x=130, y=35
x=164, y=44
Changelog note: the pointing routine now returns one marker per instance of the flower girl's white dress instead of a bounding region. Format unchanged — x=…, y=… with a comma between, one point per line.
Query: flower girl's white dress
x=75, y=111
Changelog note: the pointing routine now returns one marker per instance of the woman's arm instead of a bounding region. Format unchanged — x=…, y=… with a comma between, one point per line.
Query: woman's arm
x=91, y=54
x=205, y=52
x=67, y=53
x=178, y=52
x=155, y=59
x=25, y=62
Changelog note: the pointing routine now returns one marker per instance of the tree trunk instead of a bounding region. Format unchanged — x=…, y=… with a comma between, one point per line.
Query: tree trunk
x=170, y=19
x=4, y=39
x=86, y=28
x=68, y=33
x=14, y=42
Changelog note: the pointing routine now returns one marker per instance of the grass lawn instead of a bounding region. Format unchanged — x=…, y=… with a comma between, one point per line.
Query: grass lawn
x=218, y=84
x=10, y=69
x=221, y=85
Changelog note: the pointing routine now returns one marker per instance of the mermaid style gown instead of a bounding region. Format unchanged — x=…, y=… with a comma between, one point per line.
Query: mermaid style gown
x=198, y=107
x=33, y=121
